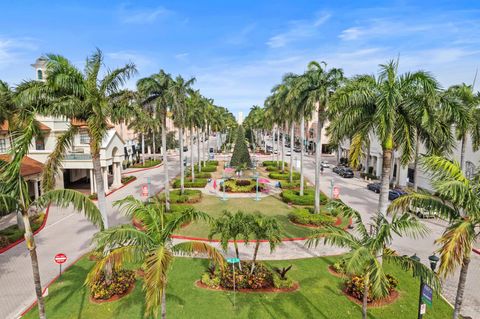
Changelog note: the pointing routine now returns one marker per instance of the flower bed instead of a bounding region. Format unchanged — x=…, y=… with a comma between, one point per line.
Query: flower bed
x=189, y=196
x=273, y=163
x=292, y=185
x=304, y=216
x=127, y=179
x=120, y=284
x=241, y=186
x=208, y=168
x=354, y=287
x=284, y=176
x=308, y=198
x=198, y=183
x=199, y=174
x=12, y=233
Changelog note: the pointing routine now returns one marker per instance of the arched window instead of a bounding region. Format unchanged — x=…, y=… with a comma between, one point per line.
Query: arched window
x=39, y=75
x=469, y=170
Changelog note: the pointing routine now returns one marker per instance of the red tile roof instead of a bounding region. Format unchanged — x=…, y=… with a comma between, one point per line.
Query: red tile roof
x=28, y=167
x=4, y=127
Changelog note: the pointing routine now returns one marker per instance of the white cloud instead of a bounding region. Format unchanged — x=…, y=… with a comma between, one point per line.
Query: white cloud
x=242, y=36
x=297, y=30
x=140, y=60
x=12, y=48
x=143, y=16
x=182, y=56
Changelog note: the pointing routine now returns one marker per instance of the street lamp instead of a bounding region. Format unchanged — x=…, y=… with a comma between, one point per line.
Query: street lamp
x=433, y=265
x=256, y=187
x=433, y=261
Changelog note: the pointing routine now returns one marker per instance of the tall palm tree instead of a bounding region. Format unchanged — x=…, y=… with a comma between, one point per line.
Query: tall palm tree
x=263, y=228
x=367, y=104
x=456, y=199
x=319, y=83
x=179, y=89
x=85, y=97
x=151, y=247
x=230, y=226
x=465, y=115
x=156, y=89
x=366, y=248
x=14, y=196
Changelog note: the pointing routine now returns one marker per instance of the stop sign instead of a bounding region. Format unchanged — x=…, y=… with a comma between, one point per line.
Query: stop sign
x=60, y=258
x=336, y=192
x=145, y=190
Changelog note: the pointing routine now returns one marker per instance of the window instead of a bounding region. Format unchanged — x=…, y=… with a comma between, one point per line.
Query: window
x=39, y=75
x=469, y=170
x=40, y=143
x=3, y=145
x=84, y=138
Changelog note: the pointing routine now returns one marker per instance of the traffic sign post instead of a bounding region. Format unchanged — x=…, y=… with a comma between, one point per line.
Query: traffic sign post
x=145, y=190
x=233, y=261
x=336, y=192
x=60, y=259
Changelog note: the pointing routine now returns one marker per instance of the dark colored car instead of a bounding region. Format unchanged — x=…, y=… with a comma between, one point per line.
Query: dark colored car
x=337, y=169
x=297, y=149
x=185, y=148
x=374, y=187
x=395, y=193
x=346, y=173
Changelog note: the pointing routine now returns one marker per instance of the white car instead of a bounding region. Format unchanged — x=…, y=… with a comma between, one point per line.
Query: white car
x=324, y=164
x=288, y=153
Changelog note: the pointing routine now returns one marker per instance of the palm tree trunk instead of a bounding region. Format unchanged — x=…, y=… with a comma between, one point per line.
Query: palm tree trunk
x=415, y=164
x=198, y=151
x=283, y=150
x=292, y=141
x=143, y=149
x=462, y=152
x=153, y=145
x=255, y=252
x=365, y=298
x=385, y=181
x=302, y=138
x=205, y=135
x=102, y=201
x=192, y=163
x=30, y=242
x=165, y=162
x=461, y=287
x=318, y=159
x=164, y=301
x=182, y=171
x=367, y=161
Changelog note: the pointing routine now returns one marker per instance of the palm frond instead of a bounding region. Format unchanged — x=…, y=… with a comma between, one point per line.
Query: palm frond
x=157, y=265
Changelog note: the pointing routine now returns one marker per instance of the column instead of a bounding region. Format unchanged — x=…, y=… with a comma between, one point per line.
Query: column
x=105, y=178
x=402, y=175
x=92, y=182
x=379, y=165
x=35, y=188
x=116, y=175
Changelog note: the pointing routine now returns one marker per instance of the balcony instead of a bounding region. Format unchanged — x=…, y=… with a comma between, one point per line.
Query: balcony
x=78, y=157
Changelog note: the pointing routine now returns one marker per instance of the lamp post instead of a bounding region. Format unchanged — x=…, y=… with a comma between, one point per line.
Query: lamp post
x=433, y=265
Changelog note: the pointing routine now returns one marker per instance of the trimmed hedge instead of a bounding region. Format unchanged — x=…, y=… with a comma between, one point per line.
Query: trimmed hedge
x=208, y=168
x=189, y=196
x=371, y=176
x=210, y=163
x=126, y=179
x=284, y=176
x=292, y=185
x=241, y=186
x=200, y=175
x=199, y=183
x=273, y=163
x=148, y=163
x=305, y=217
x=308, y=198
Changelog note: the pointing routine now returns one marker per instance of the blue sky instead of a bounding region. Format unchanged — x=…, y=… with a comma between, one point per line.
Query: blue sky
x=238, y=50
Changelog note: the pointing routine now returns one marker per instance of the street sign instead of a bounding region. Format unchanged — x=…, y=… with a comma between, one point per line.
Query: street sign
x=60, y=258
x=336, y=192
x=145, y=191
x=427, y=294
x=233, y=260
x=423, y=309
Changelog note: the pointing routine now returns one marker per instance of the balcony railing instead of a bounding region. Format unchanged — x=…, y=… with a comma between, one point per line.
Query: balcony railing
x=78, y=157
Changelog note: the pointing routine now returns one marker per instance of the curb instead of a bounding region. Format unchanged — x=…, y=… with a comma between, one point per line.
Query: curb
x=142, y=169
x=111, y=192
x=476, y=251
x=4, y=249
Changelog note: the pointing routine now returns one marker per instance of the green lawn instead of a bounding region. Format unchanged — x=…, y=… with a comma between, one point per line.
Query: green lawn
x=269, y=206
x=319, y=297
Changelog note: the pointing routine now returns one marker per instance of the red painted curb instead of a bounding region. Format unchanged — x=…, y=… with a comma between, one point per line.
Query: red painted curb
x=50, y=283
x=476, y=251
x=231, y=241
x=4, y=249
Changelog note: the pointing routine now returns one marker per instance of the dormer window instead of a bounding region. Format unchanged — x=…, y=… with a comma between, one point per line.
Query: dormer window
x=39, y=75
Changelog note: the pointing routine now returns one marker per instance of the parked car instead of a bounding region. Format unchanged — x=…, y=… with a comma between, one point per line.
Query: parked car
x=395, y=193
x=185, y=148
x=211, y=150
x=288, y=153
x=297, y=149
x=346, y=172
x=375, y=187
x=287, y=145
x=337, y=169
x=422, y=212
x=324, y=164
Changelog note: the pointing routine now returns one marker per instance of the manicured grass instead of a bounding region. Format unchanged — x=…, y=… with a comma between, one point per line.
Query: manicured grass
x=319, y=296
x=11, y=234
x=148, y=163
x=269, y=206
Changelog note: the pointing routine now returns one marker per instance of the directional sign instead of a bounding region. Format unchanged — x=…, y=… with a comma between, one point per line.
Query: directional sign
x=423, y=309
x=336, y=192
x=60, y=258
x=145, y=190
x=427, y=294
x=233, y=260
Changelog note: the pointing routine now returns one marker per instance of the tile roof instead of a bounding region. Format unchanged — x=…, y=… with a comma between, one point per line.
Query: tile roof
x=4, y=127
x=28, y=167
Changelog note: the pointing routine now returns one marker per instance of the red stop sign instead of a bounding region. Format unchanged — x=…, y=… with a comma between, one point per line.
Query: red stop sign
x=336, y=192
x=60, y=258
x=145, y=190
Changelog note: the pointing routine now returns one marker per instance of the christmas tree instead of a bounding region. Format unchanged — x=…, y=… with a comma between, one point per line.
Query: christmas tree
x=240, y=152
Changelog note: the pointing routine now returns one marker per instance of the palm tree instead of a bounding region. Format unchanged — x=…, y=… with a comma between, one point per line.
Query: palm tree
x=14, y=196
x=179, y=89
x=367, y=104
x=230, y=226
x=84, y=97
x=456, y=199
x=319, y=83
x=151, y=247
x=465, y=115
x=366, y=249
x=156, y=89
x=263, y=228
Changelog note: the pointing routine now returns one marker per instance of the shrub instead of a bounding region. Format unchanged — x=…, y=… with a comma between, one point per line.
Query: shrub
x=368, y=175
x=339, y=266
x=148, y=163
x=280, y=283
x=284, y=176
x=240, y=155
x=11, y=234
x=308, y=198
x=207, y=169
x=199, y=183
x=305, y=217
x=121, y=281
x=126, y=179
x=355, y=287
x=243, y=182
x=212, y=282
x=282, y=272
x=93, y=196
x=231, y=186
x=200, y=175
x=262, y=277
x=210, y=163
x=4, y=241
x=189, y=196
x=274, y=163
x=292, y=185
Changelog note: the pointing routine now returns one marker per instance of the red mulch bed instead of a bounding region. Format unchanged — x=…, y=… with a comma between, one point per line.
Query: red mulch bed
x=295, y=287
x=376, y=303
x=114, y=297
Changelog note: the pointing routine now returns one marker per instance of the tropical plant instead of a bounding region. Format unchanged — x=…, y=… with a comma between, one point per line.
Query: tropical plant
x=14, y=196
x=240, y=155
x=230, y=226
x=367, y=248
x=367, y=104
x=457, y=200
x=150, y=247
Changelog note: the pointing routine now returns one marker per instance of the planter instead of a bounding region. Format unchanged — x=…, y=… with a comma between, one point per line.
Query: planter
x=376, y=303
x=295, y=287
x=114, y=297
